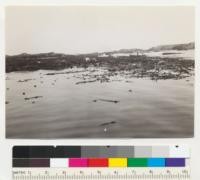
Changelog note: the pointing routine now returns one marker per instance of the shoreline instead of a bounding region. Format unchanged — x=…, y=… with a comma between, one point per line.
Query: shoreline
x=135, y=66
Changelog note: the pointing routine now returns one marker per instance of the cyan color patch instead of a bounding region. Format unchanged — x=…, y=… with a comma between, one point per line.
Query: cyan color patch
x=156, y=162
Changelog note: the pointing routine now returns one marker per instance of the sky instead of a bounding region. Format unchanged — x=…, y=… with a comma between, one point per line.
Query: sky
x=85, y=29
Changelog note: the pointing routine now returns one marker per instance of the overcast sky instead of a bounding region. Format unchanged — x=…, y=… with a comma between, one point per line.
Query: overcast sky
x=73, y=29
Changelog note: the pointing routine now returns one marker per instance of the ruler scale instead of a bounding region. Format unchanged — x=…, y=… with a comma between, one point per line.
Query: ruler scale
x=101, y=173
x=101, y=163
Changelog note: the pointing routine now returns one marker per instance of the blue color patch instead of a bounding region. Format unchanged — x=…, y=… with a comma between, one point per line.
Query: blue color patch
x=156, y=162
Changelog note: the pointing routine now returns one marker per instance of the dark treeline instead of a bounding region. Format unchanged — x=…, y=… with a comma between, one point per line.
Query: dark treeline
x=27, y=62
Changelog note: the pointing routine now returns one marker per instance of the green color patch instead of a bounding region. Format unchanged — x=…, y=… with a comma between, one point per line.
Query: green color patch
x=137, y=162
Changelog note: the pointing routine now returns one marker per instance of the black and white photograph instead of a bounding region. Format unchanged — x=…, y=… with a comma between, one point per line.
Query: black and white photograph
x=99, y=71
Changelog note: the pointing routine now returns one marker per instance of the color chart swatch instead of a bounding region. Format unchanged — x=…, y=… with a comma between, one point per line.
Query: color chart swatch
x=100, y=156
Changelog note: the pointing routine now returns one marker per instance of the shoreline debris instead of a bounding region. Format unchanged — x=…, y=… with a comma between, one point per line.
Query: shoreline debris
x=83, y=82
x=68, y=72
x=25, y=80
x=106, y=100
x=34, y=97
x=108, y=123
x=104, y=68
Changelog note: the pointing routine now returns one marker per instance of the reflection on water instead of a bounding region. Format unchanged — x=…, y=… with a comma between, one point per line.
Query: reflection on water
x=56, y=106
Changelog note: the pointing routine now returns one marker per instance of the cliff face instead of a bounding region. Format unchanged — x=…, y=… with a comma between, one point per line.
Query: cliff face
x=178, y=47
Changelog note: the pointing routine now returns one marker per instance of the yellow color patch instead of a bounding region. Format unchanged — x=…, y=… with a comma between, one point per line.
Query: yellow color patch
x=117, y=162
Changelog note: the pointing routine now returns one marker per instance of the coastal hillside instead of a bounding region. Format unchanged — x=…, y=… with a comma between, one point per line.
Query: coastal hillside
x=178, y=47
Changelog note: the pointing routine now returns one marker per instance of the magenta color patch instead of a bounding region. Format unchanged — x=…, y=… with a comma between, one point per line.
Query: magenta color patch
x=78, y=162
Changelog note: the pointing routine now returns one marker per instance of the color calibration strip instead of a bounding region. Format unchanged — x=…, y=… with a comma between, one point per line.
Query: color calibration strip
x=100, y=151
x=100, y=156
x=101, y=162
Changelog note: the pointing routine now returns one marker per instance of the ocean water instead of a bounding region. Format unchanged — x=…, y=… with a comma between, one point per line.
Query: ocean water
x=183, y=54
x=64, y=109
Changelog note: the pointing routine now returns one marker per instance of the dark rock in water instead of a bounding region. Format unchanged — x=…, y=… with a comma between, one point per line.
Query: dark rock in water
x=35, y=86
x=23, y=93
x=128, y=81
x=7, y=89
x=108, y=123
x=130, y=90
x=68, y=72
x=25, y=80
x=33, y=102
x=106, y=100
x=35, y=97
x=7, y=102
x=82, y=82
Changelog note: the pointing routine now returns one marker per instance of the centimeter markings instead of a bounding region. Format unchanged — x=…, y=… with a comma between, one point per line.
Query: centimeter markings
x=102, y=177
x=102, y=174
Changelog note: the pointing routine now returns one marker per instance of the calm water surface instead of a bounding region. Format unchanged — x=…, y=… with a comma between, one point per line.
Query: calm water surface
x=146, y=108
